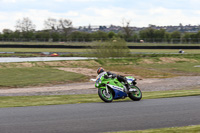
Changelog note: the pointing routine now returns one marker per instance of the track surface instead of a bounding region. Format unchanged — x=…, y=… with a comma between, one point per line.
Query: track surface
x=102, y=117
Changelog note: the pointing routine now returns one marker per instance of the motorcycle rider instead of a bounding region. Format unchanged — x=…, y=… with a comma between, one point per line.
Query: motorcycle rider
x=120, y=78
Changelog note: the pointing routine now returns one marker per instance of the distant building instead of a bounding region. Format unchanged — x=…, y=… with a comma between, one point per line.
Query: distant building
x=116, y=29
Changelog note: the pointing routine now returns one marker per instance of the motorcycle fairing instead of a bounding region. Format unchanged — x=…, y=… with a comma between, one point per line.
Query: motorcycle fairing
x=119, y=92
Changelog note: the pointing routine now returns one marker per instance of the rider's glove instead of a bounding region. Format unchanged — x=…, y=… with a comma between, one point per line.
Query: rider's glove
x=110, y=76
x=106, y=76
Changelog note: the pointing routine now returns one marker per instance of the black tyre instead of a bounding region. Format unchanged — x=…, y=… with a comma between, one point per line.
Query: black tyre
x=135, y=96
x=106, y=97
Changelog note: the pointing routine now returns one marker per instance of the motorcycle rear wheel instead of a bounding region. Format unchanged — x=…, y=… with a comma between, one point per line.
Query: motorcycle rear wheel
x=106, y=97
x=135, y=96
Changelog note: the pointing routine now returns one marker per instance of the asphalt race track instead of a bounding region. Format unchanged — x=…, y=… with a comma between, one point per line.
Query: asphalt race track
x=102, y=117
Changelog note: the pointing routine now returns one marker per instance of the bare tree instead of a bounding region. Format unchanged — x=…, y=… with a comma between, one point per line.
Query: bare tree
x=63, y=25
x=25, y=25
x=51, y=24
x=126, y=28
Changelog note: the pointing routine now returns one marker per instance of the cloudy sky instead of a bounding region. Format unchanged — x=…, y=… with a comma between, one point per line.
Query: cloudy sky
x=101, y=12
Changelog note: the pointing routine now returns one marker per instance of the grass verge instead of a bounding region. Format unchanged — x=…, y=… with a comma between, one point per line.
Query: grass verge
x=186, y=129
x=161, y=51
x=155, y=66
x=94, y=42
x=37, y=73
x=22, y=101
x=41, y=50
x=165, y=51
x=34, y=76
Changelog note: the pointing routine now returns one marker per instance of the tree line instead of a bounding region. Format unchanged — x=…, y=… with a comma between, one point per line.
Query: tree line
x=62, y=30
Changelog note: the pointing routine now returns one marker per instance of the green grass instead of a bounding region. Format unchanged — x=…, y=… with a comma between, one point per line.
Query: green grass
x=154, y=67
x=93, y=43
x=179, y=68
x=41, y=50
x=172, y=93
x=189, y=51
x=36, y=73
x=52, y=43
x=160, y=44
x=186, y=129
x=22, y=101
x=20, y=77
x=144, y=72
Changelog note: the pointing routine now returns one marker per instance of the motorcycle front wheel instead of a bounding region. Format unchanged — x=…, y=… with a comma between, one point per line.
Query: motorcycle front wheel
x=135, y=96
x=106, y=97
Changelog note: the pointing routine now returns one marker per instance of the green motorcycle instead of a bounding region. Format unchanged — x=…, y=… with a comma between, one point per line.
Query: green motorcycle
x=111, y=88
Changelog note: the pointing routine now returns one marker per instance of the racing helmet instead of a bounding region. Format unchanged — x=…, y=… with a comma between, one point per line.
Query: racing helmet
x=100, y=70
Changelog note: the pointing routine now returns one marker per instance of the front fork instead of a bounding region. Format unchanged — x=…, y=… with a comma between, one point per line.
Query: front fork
x=125, y=89
x=107, y=89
